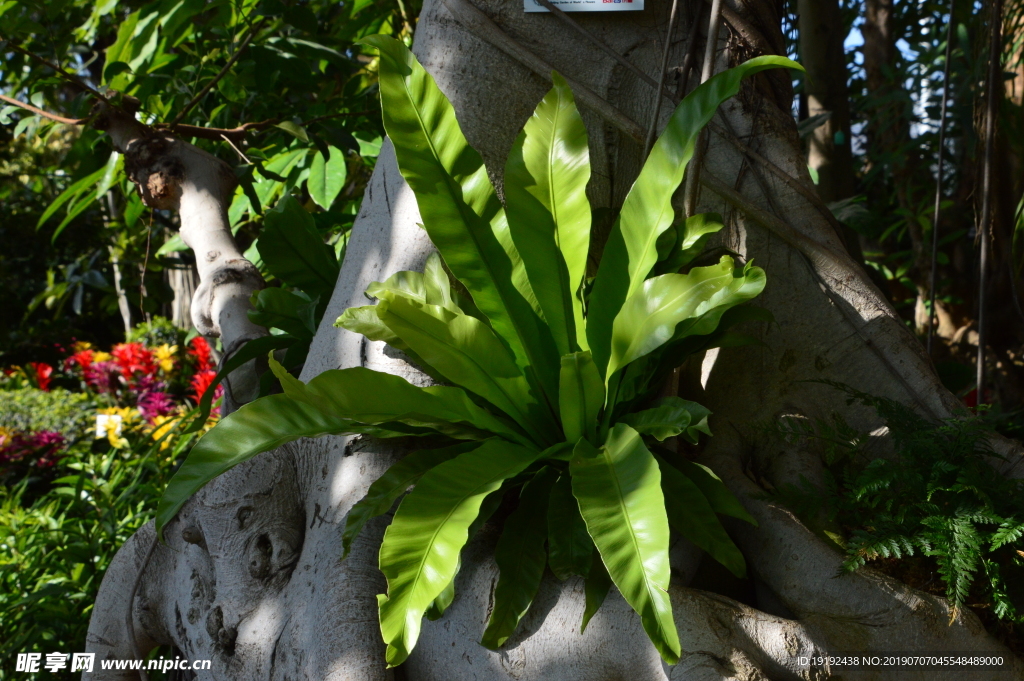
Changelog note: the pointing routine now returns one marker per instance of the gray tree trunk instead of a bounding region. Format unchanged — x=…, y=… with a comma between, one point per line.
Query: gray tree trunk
x=251, y=575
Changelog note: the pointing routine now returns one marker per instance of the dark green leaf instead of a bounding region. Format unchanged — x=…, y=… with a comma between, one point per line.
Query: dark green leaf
x=292, y=312
x=595, y=590
x=421, y=547
x=294, y=251
x=570, y=548
x=691, y=515
x=386, y=489
x=619, y=491
x=520, y=557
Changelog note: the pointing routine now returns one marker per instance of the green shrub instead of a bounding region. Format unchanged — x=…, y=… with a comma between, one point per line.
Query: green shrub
x=157, y=332
x=31, y=410
x=936, y=505
x=55, y=547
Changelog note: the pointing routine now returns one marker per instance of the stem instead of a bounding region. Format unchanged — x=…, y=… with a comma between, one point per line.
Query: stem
x=661, y=79
x=938, y=182
x=693, y=171
x=994, y=83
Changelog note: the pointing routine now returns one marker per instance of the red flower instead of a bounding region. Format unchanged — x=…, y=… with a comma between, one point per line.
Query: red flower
x=43, y=372
x=200, y=350
x=201, y=382
x=132, y=358
x=83, y=359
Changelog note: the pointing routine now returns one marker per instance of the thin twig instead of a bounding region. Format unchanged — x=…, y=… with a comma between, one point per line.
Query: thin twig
x=241, y=156
x=44, y=114
x=238, y=133
x=70, y=77
x=995, y=83
x=661, y=79
x=145, y=266
x=691, y=54
x=227, y=67
x=693, y=170
x=933, y=279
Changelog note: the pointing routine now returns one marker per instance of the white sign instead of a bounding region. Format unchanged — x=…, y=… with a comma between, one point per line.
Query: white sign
x=586, y=5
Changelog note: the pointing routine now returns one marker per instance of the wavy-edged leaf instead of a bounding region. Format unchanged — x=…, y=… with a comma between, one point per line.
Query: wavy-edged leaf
x=619, y=491
x=647, y=210
x=405, y=283
x=520, y=556
x=421, y=547
x=673, y=306
x=669, y=417
x=548, y=213
x=580, y=396
x=364, y=321
x=467, y=352
x=386, y=489
x=262, y=425
x=437, y=288
x=690, y=514
x=327, y=177
x=439, y=605
x=294, y=252
x=372, y=397
x=595, y=590
x=457, y=203
x=570, y=549
x=487, y=509
x=690, y=236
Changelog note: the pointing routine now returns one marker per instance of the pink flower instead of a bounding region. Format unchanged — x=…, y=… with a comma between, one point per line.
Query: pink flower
x=154, y=403
x=44, y=447
x=103, y=376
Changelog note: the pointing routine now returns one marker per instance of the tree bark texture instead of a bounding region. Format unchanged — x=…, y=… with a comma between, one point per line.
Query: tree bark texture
x=251, y=576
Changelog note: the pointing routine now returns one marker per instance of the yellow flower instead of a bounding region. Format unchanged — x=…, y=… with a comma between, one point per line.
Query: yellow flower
x=79, y=346
x=164, y=355
x=111, y=428
x=161, y=426
x=102, y=357
x=4, y=434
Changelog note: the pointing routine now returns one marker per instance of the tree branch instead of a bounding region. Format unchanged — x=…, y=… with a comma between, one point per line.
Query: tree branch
x=44, y=114
x=71, y=78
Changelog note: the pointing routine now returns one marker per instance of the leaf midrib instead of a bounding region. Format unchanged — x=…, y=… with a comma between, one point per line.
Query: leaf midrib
x=632, y=534
x=523, y=420
x=563, y=273
x=461, y=205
